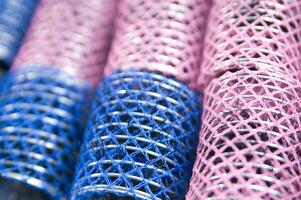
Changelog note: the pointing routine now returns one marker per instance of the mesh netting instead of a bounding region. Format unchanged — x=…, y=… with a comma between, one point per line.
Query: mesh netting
x=41, y=114
x=164, y=35
x=250, y=139
x=252, y=34
x=140, y=139
x=73, y=35
x=15, y=16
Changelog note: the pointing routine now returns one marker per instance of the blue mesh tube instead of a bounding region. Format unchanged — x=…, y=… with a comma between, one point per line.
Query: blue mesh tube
x=140, y=139
x=15, y=17
x=41, y=118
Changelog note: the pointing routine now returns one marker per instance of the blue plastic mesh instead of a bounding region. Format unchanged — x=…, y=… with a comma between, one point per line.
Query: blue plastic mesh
x=15, y=17
x=41, y=118
x=140, y=139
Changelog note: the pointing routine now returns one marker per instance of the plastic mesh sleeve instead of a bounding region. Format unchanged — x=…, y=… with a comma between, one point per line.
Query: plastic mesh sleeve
x=162, y=36
x=250, y=139
x=41, y=118
x=252, y=34
x=140, y=139
x=15, y=17
x=73, y=35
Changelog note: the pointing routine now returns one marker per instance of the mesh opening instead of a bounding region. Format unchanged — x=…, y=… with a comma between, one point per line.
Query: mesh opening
x=139, y=139
x=3, y=65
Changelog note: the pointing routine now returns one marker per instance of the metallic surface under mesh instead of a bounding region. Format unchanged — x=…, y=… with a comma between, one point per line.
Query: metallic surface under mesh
x=73, y=35
x=140, y=139
x=41, y=118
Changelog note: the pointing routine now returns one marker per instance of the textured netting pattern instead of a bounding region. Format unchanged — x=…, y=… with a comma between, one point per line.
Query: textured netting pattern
x=73, y=35
x=252, y=34
x=250, y=139
x=15, y=17
x=140, y=139
x=159, y=35
x=41, y=117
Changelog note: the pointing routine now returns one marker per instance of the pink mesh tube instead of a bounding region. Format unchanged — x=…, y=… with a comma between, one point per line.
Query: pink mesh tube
x=252, y=34
x=73, y=35
x=250, y=140
x=164, y=36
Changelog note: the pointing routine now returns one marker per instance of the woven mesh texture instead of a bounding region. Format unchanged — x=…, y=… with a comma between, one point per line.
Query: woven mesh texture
x=41, y=114
x=15, y=16
x=73, y=35
x=139, y=140
x=250, y=139
x=252, y=34
x=159, y=35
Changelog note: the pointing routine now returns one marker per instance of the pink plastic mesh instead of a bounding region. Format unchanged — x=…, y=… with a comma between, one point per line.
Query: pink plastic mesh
x=159, y=35
x=252, y=34
x=73, y=35
x=250, y=139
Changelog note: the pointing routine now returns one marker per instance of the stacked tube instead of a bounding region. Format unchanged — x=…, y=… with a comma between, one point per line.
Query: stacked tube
x=143, y=127
x=45, y=98
x=249, y=144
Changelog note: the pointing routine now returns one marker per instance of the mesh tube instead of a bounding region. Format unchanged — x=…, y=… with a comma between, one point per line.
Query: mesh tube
x=161, y=36
x=139, y=140
x=15, y=16
x=254, y=34
x=73, y=35
x=250, y=139
x=45, y=98
x=41, y=118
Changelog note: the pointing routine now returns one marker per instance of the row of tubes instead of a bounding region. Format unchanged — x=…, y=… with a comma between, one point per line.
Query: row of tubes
x=150, y=99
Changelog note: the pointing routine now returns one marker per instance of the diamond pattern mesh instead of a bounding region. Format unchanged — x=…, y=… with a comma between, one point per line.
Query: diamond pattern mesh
x=249, y=144
x=139, y=140
x=252, y=34
x=250, y=139
x=159, y=35
x=41, y=118
x=15, y=16
x=73, y=35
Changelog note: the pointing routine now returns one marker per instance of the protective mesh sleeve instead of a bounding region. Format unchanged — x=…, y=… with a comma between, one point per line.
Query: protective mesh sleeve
x=164, y=36
x=73, y=35
x=252, y=34
x=140, y=139
x=41, y=118
x=250, y=139
x=15, y=17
